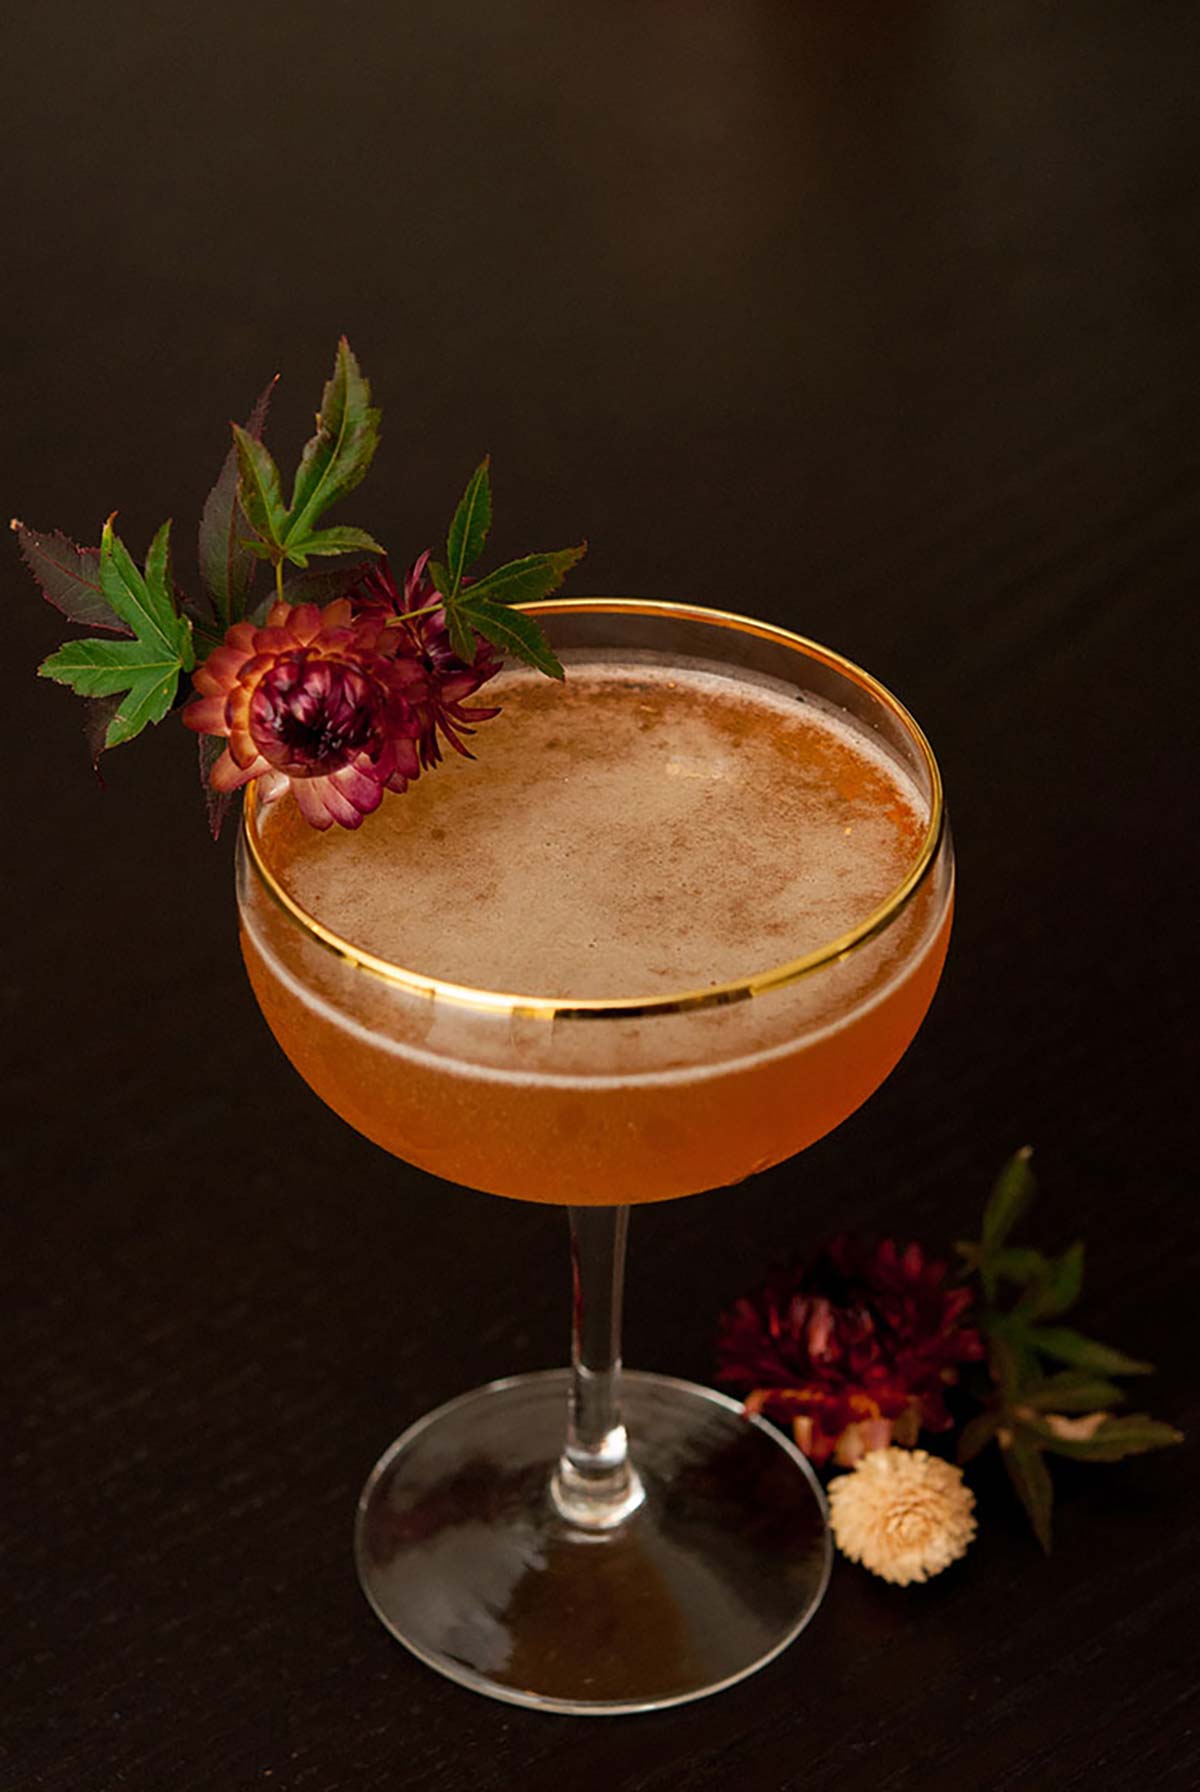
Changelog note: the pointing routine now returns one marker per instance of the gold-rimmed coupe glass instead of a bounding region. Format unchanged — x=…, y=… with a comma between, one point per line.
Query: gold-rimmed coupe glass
x=588, y=1540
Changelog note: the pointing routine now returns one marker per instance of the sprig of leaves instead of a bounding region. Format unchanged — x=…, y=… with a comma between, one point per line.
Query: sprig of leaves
x=1052, y=1391
x=142, y=671
x=135, y=679
x=484, y=605
x=334, y=462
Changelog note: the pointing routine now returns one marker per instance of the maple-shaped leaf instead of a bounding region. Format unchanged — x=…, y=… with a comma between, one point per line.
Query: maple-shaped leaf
x=143, y=672
x=260, y=494
x=510, y=630
x=69, y=577
x=326, y=543
x=483, y=605
x=333, y=463
x=227, y=566
x=469, y=525
x=336, y=458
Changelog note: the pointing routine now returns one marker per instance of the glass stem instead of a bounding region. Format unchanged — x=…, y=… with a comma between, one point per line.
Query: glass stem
x=595, y=1485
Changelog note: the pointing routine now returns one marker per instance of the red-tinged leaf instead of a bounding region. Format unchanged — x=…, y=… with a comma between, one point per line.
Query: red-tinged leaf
x=321, y=585
x=1031, y=1482
x=226, y=566
x=217, y=803
x=69, y=577
x=99, y=714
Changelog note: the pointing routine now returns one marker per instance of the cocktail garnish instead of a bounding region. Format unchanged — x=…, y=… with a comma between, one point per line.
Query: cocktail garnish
x=414, y=613
x=335, y=683
x=855, y=1350
x=316, y=699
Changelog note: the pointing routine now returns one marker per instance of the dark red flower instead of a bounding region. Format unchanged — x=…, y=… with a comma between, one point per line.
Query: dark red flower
x=448, y=679
x=855, y=1350
x=318, y=699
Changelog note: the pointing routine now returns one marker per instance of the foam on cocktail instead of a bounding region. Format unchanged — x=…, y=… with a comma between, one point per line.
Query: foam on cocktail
x=629, y=833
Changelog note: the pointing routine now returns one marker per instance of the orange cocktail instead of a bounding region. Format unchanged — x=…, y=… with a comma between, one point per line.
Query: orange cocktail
x=680, y=918
x=640, y=830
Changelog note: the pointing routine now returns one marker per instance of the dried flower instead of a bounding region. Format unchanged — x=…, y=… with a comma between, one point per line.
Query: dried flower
x=855, y=1351
x=903, y=1514
x=316, y=699
x=448, y=680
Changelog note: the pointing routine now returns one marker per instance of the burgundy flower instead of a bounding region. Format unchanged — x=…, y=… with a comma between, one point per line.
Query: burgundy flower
x=448, y=679
x=318, y=699
x=855, y=1351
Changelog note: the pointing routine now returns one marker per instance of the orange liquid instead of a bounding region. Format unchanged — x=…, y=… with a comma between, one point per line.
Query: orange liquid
x=638, y=831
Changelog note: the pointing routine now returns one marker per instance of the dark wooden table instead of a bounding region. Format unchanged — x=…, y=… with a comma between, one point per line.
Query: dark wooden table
x=877, y=320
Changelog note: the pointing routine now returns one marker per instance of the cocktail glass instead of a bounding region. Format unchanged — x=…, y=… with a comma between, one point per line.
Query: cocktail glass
x=588, y=1540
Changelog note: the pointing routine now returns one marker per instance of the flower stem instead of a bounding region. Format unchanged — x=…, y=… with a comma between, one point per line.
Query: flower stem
x=279, y=580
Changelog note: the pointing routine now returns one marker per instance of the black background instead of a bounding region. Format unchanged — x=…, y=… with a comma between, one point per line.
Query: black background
x=878, y=320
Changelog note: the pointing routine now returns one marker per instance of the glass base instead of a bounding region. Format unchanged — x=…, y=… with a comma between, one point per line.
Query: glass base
x=467, y=1562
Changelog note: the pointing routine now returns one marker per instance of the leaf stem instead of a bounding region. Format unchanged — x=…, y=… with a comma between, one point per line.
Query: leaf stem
x=412, y=615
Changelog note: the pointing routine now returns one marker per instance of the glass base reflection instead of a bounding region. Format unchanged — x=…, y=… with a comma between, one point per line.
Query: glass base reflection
x=465, y=1559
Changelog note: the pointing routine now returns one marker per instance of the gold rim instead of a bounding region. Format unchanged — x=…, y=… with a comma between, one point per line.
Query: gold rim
x=540, y=1007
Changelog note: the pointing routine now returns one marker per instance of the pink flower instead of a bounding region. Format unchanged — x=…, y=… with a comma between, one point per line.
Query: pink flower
x=326, y=702
x=448, y=679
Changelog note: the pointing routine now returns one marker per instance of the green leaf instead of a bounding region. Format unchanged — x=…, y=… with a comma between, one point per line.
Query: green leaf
x=1013, y=1191
x=977, y=1434
x=336, y=458
x=524, y=581
x=128, y=593
x=1129, y=1434
x=226, y=566
x=510, y=630
x=143, y=672
x=1020, y=1266
x=469, y=526
x=1012, y=1365
x=1067, y=1346
x=326, y=542
x=1073, y=1390
x=69, y=577
x=461, y=638
x=1063, y=1280
x=260, y=493
x=131, y=669
x=1031, y=1481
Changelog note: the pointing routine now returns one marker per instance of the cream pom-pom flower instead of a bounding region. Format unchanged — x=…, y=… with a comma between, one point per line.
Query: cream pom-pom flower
x=904, y=1514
